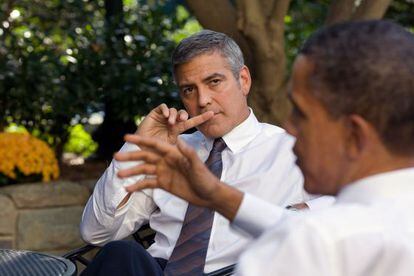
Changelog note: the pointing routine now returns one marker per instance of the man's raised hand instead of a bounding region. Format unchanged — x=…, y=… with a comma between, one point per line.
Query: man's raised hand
x=176, y=169
x=167, y=123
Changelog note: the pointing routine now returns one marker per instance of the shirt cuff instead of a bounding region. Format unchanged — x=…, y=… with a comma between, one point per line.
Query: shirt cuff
x=255, y=215
x=110, y=190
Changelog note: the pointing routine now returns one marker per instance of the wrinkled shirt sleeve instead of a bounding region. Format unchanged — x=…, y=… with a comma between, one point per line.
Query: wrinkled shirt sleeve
x=101, y=220
x=255, y=215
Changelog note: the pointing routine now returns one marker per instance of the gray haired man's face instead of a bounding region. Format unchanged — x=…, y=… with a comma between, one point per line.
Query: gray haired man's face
x=206, y=83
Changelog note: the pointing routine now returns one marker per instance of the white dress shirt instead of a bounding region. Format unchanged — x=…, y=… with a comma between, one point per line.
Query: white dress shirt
x=258, y=160
x=368, y=231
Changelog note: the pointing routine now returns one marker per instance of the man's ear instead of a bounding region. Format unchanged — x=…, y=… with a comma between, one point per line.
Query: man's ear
x=245, y=80
x=360, y=136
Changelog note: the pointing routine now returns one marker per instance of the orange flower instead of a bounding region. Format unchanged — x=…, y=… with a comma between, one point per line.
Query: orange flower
x=28, y=155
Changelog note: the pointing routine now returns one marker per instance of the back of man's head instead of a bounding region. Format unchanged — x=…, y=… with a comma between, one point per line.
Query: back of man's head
x=367, y=68
x=207, y=42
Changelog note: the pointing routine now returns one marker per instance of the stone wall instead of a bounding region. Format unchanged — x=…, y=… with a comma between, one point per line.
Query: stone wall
x=42, y=216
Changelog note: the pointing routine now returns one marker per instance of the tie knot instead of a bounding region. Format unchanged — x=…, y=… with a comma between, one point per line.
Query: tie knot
x=218, y=145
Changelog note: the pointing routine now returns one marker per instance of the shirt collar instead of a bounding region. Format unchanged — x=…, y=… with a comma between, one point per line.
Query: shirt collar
x=239, y=136
x=389, y=185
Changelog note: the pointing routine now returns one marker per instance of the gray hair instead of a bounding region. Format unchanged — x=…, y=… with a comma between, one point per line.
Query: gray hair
x=206, y=42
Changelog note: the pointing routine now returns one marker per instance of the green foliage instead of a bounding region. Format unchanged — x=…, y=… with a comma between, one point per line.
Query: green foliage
x=190, y=26
x=402, y=11
x=80, y=141
x=63, y=59
x=36, y=85
x=135, y=71
x=305, y=17
x=15, y=128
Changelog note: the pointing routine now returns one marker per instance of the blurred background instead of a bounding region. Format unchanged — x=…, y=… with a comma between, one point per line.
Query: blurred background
x=80, y=74
x=76, y=75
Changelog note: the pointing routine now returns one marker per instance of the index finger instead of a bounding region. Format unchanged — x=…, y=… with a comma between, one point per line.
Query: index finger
x=197, y=120
x=150, y=143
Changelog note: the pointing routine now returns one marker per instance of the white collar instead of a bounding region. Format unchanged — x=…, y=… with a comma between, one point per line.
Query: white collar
x=239, y=136
x=389, y=185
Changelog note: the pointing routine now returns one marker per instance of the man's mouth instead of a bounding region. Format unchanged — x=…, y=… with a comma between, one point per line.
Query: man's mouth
x=204, y=111
x=211, y=120
x=215, y=114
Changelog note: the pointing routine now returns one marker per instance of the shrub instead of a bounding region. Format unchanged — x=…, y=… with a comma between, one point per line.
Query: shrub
x=25, y=159
x=61, y=60
x=80, y=142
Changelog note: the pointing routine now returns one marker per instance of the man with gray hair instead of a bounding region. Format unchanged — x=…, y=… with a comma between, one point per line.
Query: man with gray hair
x=353, y=119
x=253, y=157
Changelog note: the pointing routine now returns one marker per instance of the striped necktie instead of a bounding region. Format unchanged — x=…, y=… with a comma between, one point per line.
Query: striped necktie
x=190, y=251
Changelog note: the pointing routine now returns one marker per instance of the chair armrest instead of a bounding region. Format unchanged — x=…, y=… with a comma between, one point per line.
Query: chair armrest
x=77, y=254
x=144, y=236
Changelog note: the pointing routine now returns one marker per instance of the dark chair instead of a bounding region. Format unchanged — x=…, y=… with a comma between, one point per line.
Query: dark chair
x=144, y=236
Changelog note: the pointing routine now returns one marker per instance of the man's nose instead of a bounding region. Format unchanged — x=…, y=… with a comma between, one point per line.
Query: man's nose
x=204, y=97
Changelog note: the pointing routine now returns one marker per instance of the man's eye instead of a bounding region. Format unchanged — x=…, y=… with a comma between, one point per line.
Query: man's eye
x=187, y=90
x=215, y=81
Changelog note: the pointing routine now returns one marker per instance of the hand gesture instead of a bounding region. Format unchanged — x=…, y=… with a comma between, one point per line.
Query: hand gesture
x=176, y=169
x=167, y=123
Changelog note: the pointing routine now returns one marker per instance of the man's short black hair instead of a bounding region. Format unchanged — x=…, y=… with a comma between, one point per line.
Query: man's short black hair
x=367, y=68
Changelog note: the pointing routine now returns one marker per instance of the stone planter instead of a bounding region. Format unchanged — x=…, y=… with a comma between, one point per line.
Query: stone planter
x=42, y=216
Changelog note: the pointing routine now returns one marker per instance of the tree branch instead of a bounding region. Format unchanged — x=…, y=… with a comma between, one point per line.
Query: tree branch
x=340, y=10
x=252, y=23
x=265, y=6
x=220, y=16
x=251, y=18
x=216, y=15
x=265, y=35
x=371, y=9
x=279, y=10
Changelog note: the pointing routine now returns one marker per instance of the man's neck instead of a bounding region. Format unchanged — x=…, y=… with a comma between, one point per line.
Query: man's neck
x=381, y=165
